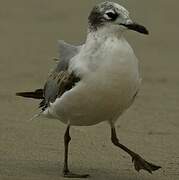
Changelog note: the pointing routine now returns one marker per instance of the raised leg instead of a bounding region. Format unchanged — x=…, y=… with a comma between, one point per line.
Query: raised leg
x=66, y=172
x=139, y=162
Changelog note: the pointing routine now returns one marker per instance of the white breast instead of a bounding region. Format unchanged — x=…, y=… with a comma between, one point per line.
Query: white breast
x=110, y=80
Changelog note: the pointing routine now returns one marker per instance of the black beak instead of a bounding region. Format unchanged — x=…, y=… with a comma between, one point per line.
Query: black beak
x=137, y=27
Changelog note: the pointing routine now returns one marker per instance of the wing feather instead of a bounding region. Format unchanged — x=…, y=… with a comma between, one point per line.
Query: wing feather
x=60, y=80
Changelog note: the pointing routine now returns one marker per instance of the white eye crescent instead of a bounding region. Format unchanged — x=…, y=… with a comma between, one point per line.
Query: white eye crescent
x=110, y=15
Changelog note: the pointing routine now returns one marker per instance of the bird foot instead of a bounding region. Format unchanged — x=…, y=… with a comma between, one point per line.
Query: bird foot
x=140, y=163
x=69, y=174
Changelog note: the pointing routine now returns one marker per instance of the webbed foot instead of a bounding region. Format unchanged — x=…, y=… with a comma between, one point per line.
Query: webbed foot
x=140, y=163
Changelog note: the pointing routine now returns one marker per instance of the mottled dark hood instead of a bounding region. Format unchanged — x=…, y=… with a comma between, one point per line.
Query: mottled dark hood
x=96, y=18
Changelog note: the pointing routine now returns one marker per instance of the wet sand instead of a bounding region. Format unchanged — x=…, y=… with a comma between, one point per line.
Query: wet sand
x=34, y=150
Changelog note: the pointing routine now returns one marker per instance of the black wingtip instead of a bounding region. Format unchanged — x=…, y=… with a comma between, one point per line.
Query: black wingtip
x=38, y=94
x=20, y=94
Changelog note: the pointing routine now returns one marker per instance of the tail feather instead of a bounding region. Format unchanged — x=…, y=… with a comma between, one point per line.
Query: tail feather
x=37, y=94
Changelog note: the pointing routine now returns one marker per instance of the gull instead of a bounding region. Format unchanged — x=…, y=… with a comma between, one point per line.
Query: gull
x=96, y=81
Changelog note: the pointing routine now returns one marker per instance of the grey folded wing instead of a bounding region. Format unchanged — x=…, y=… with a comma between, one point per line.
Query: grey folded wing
x=66, y=52
x=60, y=80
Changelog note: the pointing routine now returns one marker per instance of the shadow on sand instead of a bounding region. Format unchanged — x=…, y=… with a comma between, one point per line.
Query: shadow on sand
x=52, y=170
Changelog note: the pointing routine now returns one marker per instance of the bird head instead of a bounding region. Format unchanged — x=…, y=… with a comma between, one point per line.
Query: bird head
x=113, y=16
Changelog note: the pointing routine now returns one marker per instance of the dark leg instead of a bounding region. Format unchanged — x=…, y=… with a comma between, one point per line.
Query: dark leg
x=66, y=172
x=139, y=162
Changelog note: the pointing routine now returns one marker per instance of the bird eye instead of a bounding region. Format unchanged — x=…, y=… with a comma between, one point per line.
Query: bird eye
x=111, y=16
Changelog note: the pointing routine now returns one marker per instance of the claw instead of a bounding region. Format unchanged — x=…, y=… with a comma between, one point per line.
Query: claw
x=140, y=163
x=72, y=175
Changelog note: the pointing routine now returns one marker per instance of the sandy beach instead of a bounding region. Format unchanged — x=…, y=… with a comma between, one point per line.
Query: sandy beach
x=33, y=150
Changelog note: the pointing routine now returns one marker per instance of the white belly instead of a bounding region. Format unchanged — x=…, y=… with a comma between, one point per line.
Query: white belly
x=102, y=95
x=98, y=98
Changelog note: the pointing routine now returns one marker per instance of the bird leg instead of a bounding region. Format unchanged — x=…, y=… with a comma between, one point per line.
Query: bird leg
x=139, y=162
x=66, y=171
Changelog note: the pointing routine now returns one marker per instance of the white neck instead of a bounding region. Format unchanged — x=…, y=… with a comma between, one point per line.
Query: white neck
x=104, y=33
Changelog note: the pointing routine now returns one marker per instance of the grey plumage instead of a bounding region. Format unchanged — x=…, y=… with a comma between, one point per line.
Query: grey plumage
x=60, y=80
x=66, y=52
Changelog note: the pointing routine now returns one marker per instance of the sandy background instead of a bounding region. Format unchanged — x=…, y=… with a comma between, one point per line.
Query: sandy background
x=34, y=150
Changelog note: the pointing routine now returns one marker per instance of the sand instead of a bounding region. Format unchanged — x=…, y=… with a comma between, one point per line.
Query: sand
x=34, y=150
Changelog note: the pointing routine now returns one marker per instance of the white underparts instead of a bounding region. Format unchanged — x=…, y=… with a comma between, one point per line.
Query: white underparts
x=110, y=79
